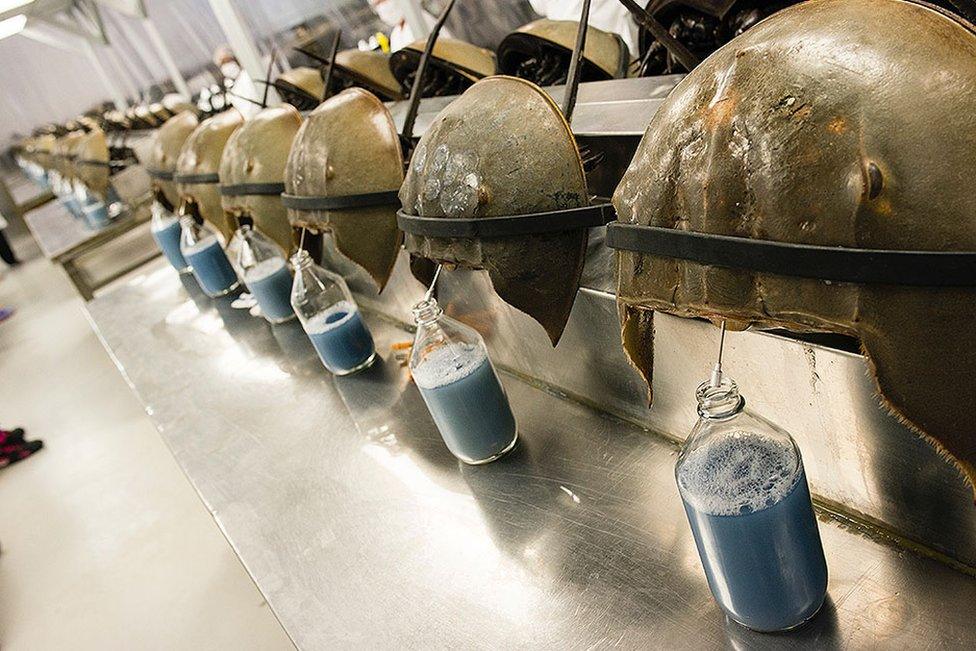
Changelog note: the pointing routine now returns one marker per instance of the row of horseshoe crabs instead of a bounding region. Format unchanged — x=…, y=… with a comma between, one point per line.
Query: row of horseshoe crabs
x=777, y=142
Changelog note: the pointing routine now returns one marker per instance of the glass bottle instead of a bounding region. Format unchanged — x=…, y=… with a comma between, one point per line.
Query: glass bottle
x=330, y=317
x=745, y=492
x=264, y=270
x=200, y=246
x=94, y=210
x=449, y=362
x=165, y=228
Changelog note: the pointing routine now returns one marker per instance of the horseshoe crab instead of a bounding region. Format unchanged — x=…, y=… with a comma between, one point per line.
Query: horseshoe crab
x=454, y=66
x=701, y=25
x=93, y=162
x=197, y=167
x=811, y=175
x=541, y=51
x=301, y=87
x=252, y=171
x=343, y=173
x=497, y=183
x=356, y=68
x=166, y=145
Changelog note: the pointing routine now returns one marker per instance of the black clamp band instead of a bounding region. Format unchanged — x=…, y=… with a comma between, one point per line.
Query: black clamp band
x=554, y=221
x=192, y=179
x=241, y=189
x=160, y=175
x=296, y=202
x=831, y=263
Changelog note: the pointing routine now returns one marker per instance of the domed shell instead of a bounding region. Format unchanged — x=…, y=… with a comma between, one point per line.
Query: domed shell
x=200, y=155
x=64, y=152
x=301, y=87
x=370, y=70
x=837, y=123
x=91, y=162
x=349, y=146
x=605, y=55
x=503, y=148
x=166, y=146
x=449, y=56
x=257, y=153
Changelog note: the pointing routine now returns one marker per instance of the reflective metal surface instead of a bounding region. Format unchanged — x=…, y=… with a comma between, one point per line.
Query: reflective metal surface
x=56, y=230
x=857, y=456
x=93, y=257
x=619, y=107
x=363, y=531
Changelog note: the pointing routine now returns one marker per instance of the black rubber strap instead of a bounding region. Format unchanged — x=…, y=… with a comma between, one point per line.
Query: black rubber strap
x=160, y=175
x=833, y=263
x=555, y=221
x=192, y=179
x=241, y=189
x=94, y=163
x=296, y=202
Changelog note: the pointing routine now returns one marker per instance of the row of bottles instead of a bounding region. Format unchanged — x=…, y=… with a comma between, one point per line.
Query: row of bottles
x=740, y=478
x=282, y=288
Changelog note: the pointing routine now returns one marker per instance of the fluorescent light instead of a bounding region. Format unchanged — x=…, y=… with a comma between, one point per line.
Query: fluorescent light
x=7, y=5
x=12, y=26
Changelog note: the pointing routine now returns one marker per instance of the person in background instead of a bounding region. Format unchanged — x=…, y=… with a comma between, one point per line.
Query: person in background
x=239, y=82
x=6, y=253
x=401, y=35
x=608, y=15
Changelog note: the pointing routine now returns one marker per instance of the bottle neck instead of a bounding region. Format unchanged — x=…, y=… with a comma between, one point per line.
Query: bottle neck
x=301, y=260
x=719, y=402
x=427, y=311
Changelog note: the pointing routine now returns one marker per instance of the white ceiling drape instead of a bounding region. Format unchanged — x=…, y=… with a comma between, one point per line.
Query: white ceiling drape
x=42, y=83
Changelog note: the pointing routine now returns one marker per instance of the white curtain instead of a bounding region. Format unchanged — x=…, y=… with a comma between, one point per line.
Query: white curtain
x=40, y=83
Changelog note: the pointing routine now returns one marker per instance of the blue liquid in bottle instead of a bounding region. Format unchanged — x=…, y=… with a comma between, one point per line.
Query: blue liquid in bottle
x=96, y=215
x=749, y=507
x=341, y=339
x=167, y=237
x=73, y=207
x=269, y=281
x=211, y=267
x=467, y=402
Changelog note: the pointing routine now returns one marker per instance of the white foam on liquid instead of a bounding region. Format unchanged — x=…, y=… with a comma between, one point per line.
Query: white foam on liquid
x=738, y=473
x=263, y=269
x=202, y=245
x=318, y=323
x=448, y=364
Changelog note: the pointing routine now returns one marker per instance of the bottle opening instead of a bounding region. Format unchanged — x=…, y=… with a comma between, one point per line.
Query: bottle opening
x=719, y=401
x=426, y=311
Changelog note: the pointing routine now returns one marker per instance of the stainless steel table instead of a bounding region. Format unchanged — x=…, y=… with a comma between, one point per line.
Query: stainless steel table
x=92, y=257
x=363, y=532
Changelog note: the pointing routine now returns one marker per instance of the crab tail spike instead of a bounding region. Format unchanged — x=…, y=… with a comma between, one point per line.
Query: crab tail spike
x=330, y=66
x=418, y=81
x=267, y=86
x=311, y=55
x=683, y=55
x=576, y=64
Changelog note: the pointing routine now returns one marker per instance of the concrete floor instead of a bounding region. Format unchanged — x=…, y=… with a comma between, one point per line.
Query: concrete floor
x=105, y=544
